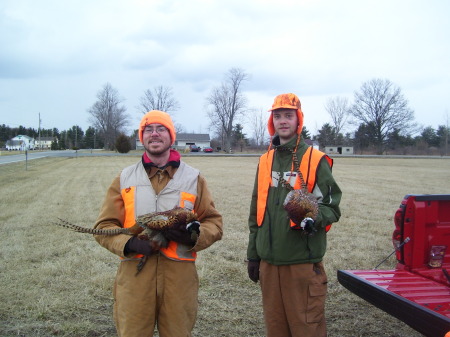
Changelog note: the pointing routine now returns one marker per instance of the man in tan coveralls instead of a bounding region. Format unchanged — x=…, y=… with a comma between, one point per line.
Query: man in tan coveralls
x=165, y=292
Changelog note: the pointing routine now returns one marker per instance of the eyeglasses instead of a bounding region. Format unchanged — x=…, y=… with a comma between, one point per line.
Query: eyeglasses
x=158, y=129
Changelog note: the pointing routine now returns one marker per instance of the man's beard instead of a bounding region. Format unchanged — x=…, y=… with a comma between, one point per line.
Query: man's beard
x=157, y=152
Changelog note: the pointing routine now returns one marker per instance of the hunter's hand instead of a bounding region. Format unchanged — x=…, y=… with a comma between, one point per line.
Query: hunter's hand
x=135, y=245
x=308, y=226
x=187, y=236
x=253, y=270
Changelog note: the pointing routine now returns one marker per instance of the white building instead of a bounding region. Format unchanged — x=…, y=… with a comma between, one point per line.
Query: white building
x=45, y=143
x=21, y=143
x=183, y=140
x=339, y=149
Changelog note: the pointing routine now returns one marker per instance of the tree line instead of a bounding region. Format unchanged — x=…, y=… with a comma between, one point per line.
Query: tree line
x=378, y=120
x=73, y=138
x=382, y=122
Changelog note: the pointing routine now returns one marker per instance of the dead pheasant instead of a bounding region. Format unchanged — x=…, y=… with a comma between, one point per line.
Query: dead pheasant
x=301, y=204
x=149, y=227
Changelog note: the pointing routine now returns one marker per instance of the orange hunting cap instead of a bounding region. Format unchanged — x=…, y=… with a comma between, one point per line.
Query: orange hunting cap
x=157, y=117
x=286, y=101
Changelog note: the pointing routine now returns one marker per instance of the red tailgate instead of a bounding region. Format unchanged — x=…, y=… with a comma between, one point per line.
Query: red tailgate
x=421, y=303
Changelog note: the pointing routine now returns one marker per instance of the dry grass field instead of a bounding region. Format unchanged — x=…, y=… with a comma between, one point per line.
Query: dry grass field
x=55, y=282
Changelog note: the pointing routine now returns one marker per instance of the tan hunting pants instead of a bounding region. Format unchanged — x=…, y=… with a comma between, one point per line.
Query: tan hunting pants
x=294, y=299
x=164, y=293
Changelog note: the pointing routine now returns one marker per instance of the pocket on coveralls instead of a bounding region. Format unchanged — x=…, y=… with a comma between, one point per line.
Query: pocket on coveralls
x=317, y=292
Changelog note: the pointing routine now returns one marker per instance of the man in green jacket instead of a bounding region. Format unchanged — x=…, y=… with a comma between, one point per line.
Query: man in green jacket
x=286, y=257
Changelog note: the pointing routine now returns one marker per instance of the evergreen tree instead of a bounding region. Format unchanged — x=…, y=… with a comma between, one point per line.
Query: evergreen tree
x=239, y=138
x=305, y=133
x=443, y=133
x=123, y=144
x=326, y=136
x=365, y=136
x=430, y=137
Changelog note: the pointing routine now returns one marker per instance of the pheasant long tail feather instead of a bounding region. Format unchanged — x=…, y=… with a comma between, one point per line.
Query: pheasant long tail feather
x=95, y=231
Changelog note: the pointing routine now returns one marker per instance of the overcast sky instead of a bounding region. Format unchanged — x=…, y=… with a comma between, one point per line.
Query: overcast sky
x=55, y=56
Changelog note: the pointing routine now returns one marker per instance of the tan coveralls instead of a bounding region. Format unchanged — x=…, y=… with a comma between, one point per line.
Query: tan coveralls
x=165, y=292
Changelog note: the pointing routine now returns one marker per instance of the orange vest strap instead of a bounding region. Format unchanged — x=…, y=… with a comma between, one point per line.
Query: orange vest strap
x=264, y=183
x=309, y=165
x=128, y=200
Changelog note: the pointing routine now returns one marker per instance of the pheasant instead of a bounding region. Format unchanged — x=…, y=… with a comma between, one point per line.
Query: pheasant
x=149, y=227
x=299, y=203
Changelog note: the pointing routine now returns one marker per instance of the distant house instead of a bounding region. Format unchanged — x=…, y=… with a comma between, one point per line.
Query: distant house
x=339, y=149
x=21, y=143
x=45, y=143
x=183, y=141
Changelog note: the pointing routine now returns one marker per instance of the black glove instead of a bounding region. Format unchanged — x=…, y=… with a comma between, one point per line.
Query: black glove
x=187, y=235
x=253, y=270
x=308, y=226
x=135, y=245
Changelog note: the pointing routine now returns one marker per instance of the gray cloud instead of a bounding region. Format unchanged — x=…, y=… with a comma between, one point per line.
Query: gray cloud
x=56, y=55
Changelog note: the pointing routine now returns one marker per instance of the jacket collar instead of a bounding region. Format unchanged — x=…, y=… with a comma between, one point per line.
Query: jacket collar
x=289, y=146
x=171, y=166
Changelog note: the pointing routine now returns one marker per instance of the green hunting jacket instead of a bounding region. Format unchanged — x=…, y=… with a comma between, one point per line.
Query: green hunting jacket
x=275, y=242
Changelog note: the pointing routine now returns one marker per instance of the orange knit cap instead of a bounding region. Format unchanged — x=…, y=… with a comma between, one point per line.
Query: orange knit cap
x=286, y=101
x=157, y=117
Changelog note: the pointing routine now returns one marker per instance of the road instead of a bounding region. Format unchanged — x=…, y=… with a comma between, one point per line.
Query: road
x=14, y=158
x=30, y=155
x=87, y=153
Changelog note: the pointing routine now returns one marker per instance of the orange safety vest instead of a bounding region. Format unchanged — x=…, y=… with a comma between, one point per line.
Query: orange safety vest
x=174, y=250
x=308, y=167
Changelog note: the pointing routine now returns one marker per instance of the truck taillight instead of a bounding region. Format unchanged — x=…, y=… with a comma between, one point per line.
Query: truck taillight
x=397, y=235
x=398, y=218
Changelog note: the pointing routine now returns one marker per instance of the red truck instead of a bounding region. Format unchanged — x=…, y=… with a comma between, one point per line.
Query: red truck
x=417, y=291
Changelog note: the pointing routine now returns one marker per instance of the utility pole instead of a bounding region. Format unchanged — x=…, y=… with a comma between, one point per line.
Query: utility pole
x=40, y=146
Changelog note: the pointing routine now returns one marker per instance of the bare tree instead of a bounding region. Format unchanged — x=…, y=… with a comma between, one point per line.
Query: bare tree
x=160, y=98
x=382, y=104
x=108, y=116
x=179, y=128
x=338, y=109
x=227, y=104
x=258, y=122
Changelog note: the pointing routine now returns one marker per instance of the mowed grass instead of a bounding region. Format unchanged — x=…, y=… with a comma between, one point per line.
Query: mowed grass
x=55, y=282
